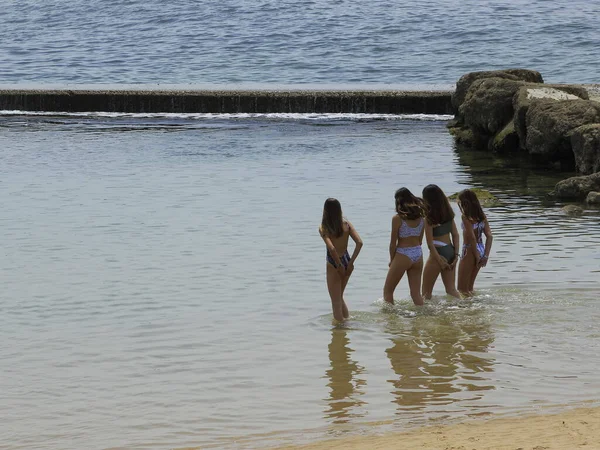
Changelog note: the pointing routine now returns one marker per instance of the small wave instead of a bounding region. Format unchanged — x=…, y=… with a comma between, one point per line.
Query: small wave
x=232, y=116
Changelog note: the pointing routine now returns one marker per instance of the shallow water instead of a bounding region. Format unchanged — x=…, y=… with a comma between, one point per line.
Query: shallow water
x=163, y=285
x=294, y=42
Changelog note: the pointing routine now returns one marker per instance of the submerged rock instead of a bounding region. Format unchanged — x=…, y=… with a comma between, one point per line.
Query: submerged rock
x=486, y=198
x=572, y=210
x=593, y=198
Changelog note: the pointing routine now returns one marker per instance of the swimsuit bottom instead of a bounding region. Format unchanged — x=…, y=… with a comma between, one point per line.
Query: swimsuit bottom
x=480, y=249
x=345, y=259
x=446, y=250
x=414, y=253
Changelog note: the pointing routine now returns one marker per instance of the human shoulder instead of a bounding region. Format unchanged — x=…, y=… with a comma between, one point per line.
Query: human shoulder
x=346, y=225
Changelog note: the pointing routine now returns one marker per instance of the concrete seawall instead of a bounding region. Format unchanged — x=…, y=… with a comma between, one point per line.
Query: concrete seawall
x=229, y=101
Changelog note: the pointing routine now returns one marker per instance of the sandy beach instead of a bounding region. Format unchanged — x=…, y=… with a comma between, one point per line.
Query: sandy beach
x=570, y=429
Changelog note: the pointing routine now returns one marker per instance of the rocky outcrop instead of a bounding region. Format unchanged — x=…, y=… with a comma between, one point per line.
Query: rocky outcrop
x=487, y=107
x=512, y=110
x=577, y=188
x=465, y=82
x=528, y=94
x=549, y=124
x=585, y=142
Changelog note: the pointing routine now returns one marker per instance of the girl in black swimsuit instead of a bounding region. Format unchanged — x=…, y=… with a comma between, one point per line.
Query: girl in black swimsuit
x=443, y=241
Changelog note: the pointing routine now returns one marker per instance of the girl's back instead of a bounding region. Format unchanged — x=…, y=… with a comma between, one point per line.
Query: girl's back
x=341, y=242
x=409, y=232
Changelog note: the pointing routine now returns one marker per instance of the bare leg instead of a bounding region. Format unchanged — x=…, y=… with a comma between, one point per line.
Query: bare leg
x=399, y=265
x=344, y=306
x=414, y=282
x=472, y=280
x=430, y=274
x=449, y=278
x=334, y=285
x=465, y=271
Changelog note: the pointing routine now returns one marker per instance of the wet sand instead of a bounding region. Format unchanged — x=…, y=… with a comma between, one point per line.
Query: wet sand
x=570, y=429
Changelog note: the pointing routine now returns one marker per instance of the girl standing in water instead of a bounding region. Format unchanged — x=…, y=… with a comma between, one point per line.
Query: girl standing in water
x=474, y=254
x=443, y=241
x=335, y=231
x=406, y=254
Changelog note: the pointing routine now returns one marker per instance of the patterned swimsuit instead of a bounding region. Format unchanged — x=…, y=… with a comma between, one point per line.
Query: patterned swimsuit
x=414, y=253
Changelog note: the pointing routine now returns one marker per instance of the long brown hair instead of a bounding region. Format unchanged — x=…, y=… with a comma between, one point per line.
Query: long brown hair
x=470, y=206
x=439, y=210
x=332, y=223
x=407, y=205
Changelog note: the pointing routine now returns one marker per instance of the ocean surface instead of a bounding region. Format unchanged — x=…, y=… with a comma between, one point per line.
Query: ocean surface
x=163, y=284
x=235, y=42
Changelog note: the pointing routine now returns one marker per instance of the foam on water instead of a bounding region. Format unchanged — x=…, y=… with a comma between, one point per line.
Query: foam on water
x=232, y=116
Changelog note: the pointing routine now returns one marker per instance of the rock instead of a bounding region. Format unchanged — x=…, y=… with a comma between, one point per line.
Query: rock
x=488, y=105
x=572, y=210
x=505, y=141
x=528, y=94
x=549, y=123
x=485, y=198
x=593, y=198
x=465, y=137
x=464, y=83
x=577, y=187
x=572, y=89
x=585, y=142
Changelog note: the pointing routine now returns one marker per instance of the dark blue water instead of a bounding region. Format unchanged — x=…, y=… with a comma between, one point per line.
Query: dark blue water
x=294, y=42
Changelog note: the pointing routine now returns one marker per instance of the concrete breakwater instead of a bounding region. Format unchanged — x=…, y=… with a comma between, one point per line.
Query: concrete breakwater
x=230, y=101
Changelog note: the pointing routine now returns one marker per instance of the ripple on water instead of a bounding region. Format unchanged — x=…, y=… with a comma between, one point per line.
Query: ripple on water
x=145, y=274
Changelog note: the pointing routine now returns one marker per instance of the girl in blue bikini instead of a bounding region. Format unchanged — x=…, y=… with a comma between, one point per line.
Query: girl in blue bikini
x=335, y=231
x=474, y=254
x=406, y=254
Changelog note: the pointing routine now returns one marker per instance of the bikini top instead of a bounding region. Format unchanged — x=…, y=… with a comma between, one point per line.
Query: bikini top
x=407, y=231
x=443, y=229
x=477, y=229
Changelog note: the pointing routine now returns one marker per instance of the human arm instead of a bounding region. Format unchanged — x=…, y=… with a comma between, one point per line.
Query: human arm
x=428, y=230
x=396, y=221
x=357, y=241
x=470, y=239
x=488, y=243
x=358, y=245
x=455, y=243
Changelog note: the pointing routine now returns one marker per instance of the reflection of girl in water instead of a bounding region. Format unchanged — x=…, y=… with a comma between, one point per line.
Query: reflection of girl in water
x=474, y=254
x=343, y=381
x=442, y=239
x=335, y=231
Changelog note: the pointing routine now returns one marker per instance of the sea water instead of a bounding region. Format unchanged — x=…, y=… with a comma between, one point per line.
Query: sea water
x=163, y=284
x=237, y=42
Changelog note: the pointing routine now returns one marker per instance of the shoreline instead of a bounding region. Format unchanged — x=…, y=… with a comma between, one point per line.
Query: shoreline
x=570, y=428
